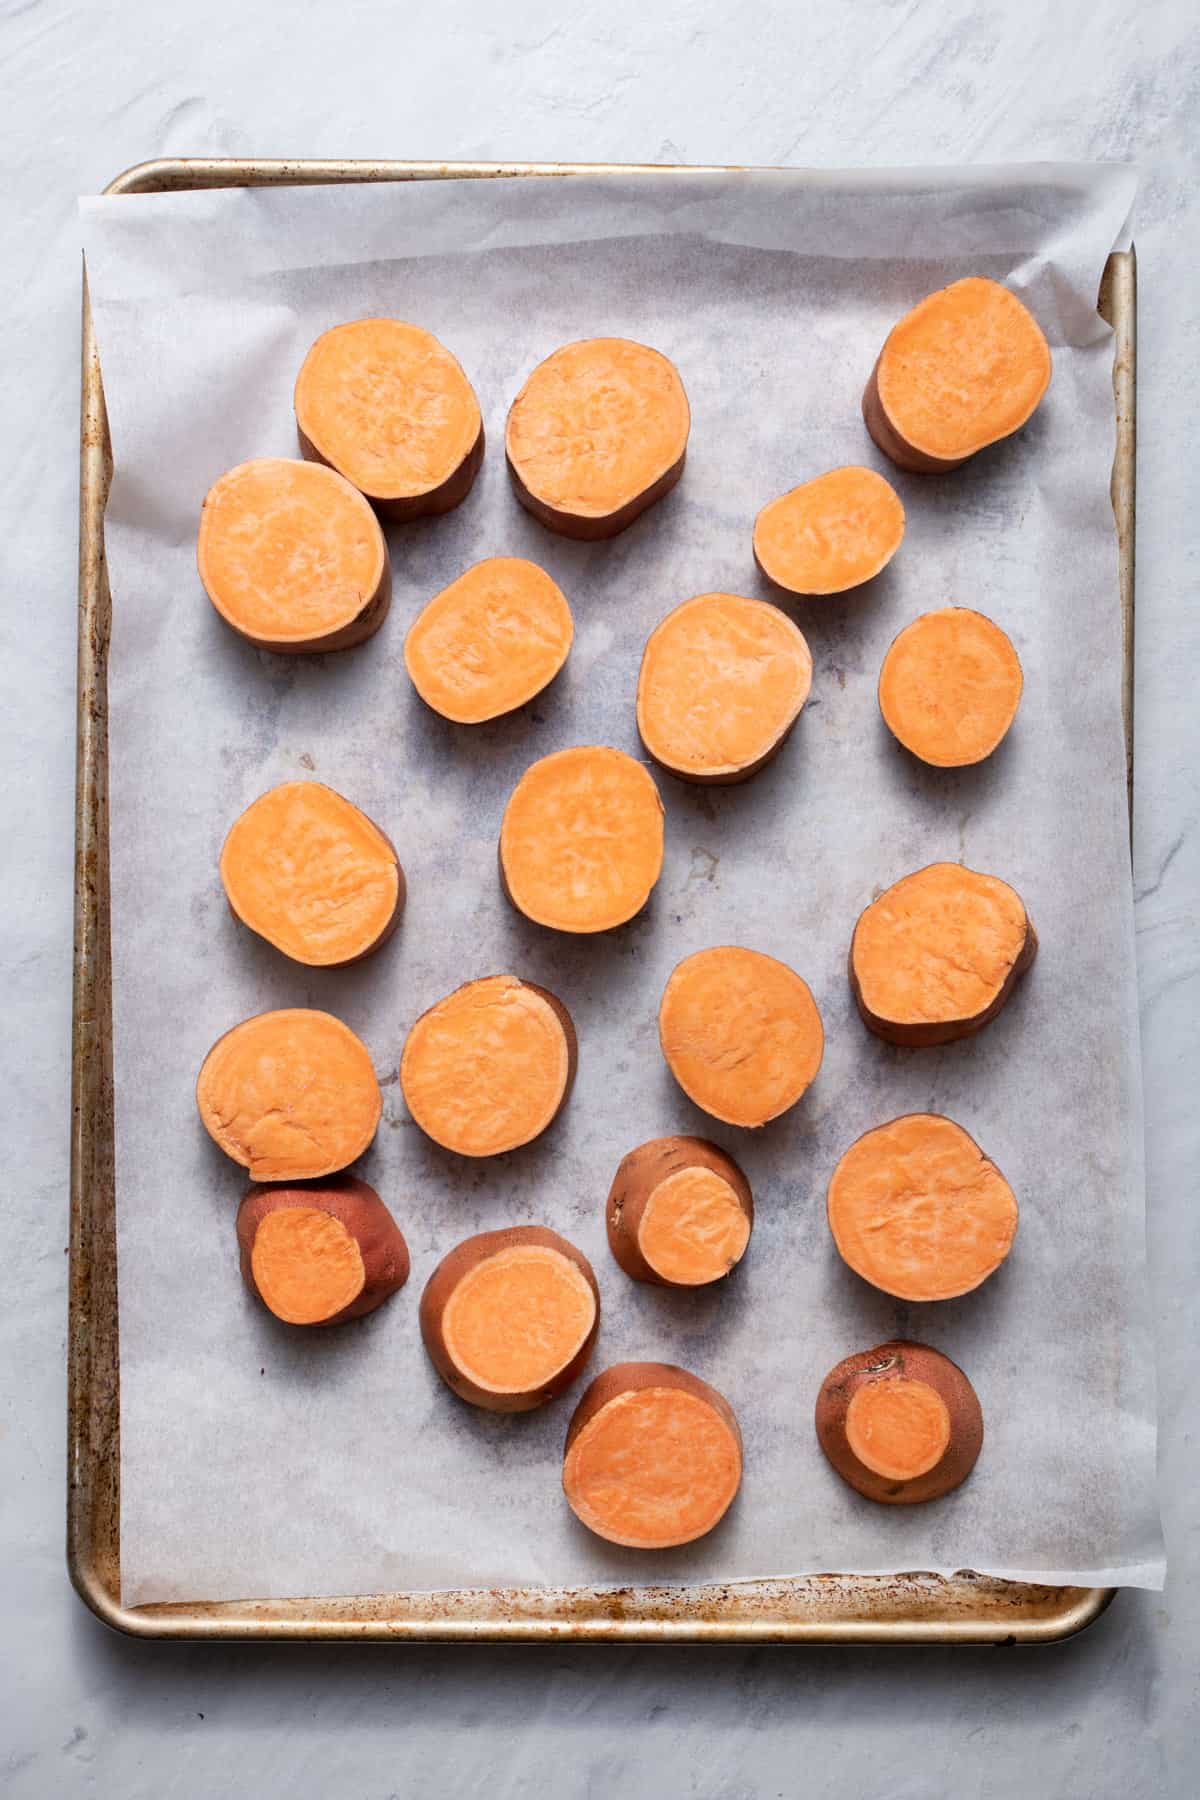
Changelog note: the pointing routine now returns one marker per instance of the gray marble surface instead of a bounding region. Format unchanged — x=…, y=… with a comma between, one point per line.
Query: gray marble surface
x=92, y=88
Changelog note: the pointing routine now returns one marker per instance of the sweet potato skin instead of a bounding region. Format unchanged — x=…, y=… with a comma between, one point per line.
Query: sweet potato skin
x=356, y=1206
x=918, y=1363
x=640, y=1173
x=592, y=529
x=926, y=1034
x=442, y=499
x=631, y=1378
x=887, y=438
x=446, y=1277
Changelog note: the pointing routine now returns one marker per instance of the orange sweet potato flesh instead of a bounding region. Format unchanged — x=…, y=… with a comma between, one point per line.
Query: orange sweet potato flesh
x=581, y=841
x=965, y=368
x=722, y=683
x=320, y=1255
x=937, y=956
x=509, y=1317
x=490, y=1066
x=829, y=534
x=490, y=641
x=389, y=407
x=597, y=434
x=653, y=1456
x=741, y=1033
x=679, y=1212
x=900, y=1423
x=950, y=686
x=290, y=1095
x=293, y=557
x=918, y=1210
x=305, y=869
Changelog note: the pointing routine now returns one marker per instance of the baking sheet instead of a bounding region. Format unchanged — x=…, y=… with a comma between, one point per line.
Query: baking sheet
x=259, y=1460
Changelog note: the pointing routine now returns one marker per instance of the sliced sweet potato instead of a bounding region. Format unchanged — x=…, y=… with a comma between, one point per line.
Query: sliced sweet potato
x=490, y=1066
x=653, y=1456
x=937, y=955
x=293, y=557
x=290, y=1095
x=490, y=641
x=950, y=686
x=320, y=1255
x=965, y=368
x=310, y=873
x=581, y=841
x=831, y=533
x=389, y=407
x=741, y=1033
x=679, y=1212
x=597, y=434
x=900, y=1423
x=509, y=1317
x=918, y=1210
x=722, y=683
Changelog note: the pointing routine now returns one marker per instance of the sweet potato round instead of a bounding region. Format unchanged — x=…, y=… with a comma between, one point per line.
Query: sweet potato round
x=291, y=1095
x=679, y=1212
x=314, y=876
x=722, y=682
x=740, y=1032
x=918, y=1401
x=292, y=557
x=918, y=1210
x=653, y=1456
x=581, y=841
x=490, y=641
x=534, y=1342
x=967, y=366
x=597, y=434
x=830, y=534
x=389, y=407
x=371, y=1256
x=489, y=1067
x=938, y=954
x=949, y=687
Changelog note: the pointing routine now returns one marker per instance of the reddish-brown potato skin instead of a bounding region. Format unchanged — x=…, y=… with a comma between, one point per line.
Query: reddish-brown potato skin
x=446, y=1277
x=356, y=1206
x=590, y=530
x=925, y=1034
x=441, y=499
x=918, y=1363
x=643, y=1170
x=898, y=449
x=631, y=1377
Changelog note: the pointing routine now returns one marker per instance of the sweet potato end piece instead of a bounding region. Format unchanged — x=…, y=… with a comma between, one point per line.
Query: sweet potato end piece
x=887, y=1410
x=320, y=1255
x=653, y=1457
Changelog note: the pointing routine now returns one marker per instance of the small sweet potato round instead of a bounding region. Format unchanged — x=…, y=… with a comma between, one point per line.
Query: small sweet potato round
x=509, y=1317
x=949, y=687
x=722, y=682
x=830, y=534
x=937, y=955
x=314, y=876
x=490, y=641
x=679, y=1212
x=386, y=404
x=900, y=1423
x=597, y=434
x=489, y=1067
x=653, y=1456
x=320, y=1255
x=291, y=1095
x=292, y=557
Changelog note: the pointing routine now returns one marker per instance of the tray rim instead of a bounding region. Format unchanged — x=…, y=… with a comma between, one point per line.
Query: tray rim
x=902, y=1609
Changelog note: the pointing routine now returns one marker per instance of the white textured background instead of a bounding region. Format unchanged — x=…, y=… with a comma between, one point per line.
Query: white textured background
x=89, y=89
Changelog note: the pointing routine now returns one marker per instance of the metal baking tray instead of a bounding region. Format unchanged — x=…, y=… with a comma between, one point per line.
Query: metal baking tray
x=817, y=1609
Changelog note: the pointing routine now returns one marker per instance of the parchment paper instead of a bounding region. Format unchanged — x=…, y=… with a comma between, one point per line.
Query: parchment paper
x=261, y=1460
